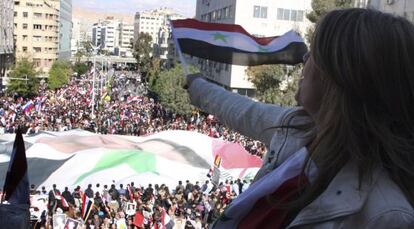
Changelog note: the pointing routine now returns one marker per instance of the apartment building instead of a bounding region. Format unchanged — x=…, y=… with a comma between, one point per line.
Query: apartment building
x=126, y=37
x=36, y=31
x=261, y=18
x=156, y=23
x=65, y=29
x=6, y=38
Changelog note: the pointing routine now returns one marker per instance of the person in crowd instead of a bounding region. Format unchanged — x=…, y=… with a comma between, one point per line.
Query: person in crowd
x=353, y=129
x=89, y=192
x=68, y=196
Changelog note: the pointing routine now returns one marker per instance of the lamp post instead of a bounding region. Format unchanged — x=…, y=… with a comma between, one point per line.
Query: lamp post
x=93, y=81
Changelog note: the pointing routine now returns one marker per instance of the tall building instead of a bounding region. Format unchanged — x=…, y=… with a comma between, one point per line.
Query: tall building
x=81, y=32
x=126, y=37
x=65, y=29
x=36, y=31
x=6, y=38
x=403, y=8
x=96, y=34
x=113, y=36
x=260, y=18
x=156, y=23
x=110, y=35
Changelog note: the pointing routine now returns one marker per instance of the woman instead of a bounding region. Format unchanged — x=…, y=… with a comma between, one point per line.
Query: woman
x=356, y=124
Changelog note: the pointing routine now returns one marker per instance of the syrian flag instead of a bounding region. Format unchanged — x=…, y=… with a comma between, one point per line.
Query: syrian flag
x=62, y=200
x=251, y=209
x=87, y=204
x=166, y=221
x=16, y=186
x=231, y=44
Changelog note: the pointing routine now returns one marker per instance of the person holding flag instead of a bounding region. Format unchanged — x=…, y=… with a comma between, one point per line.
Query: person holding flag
x=343, y=158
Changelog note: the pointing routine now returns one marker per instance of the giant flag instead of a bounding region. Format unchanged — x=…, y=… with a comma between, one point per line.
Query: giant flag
x=16, y=186
x=231, y=44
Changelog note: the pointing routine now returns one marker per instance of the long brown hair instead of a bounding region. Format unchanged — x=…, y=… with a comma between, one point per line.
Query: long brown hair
x=367, y=112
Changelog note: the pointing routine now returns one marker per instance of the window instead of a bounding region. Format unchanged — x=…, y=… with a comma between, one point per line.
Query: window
x=24, y=48
x=279, y=14
x=226, y=12
x=300, y=15
x=218, y=14
x=263, y=12
x=25, y=14
x=37, y=26
x=25, y=37
x=37, y=15
x=37, y=38
x=24, y=26
x=37, y=49
x=213, y=16
x=256, y=11
x=15, y=13
x=286, y=14
x=293, y=15
x=260, y=11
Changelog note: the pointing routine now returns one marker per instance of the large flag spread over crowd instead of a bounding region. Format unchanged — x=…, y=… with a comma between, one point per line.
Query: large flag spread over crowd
x=79, y=158
x=231, y=44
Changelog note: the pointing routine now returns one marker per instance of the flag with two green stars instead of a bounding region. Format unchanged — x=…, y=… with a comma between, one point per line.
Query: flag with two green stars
x=231, y=44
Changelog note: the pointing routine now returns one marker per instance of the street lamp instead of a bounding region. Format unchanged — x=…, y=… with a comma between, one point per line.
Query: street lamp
x=95, y=48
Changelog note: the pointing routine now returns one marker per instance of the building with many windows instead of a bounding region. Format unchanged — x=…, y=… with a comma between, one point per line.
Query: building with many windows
x=261, y=18
x=6, y=38
x=113, y=36
x=65, y=29
x=126, y=37
x=36, y=31
x=156, y=24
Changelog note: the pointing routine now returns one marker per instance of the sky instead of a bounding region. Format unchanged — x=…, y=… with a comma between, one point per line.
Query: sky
x=183, y=7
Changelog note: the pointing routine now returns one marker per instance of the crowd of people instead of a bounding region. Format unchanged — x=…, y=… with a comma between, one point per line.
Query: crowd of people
x=121, y=107
x=188, y=205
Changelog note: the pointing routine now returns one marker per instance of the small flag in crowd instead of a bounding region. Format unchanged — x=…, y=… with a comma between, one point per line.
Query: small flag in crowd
x=28, y=106
x=16, y=186
x=87, y=204
x=231, y=44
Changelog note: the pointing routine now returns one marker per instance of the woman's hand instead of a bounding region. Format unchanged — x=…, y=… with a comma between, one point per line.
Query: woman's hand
x=190, y=78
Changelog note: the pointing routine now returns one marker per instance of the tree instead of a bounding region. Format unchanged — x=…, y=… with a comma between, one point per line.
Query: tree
x=80, y=68
x=23, y=79
x=276, y=84
x=59, y=74
x=168, y=86
x=87, y=49
x=321, y=7
x=154, y=72
x=142, y=52
x=78, y=55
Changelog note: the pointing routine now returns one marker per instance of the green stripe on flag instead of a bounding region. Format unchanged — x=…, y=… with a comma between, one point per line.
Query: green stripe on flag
x=140, y=161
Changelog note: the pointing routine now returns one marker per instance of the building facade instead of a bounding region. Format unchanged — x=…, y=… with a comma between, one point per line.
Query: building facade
x=65, y=29
x=156, y=24
x=126, y=37
x=261, y=18
x=403, y=8
x=6, y=38
x=36, y=31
